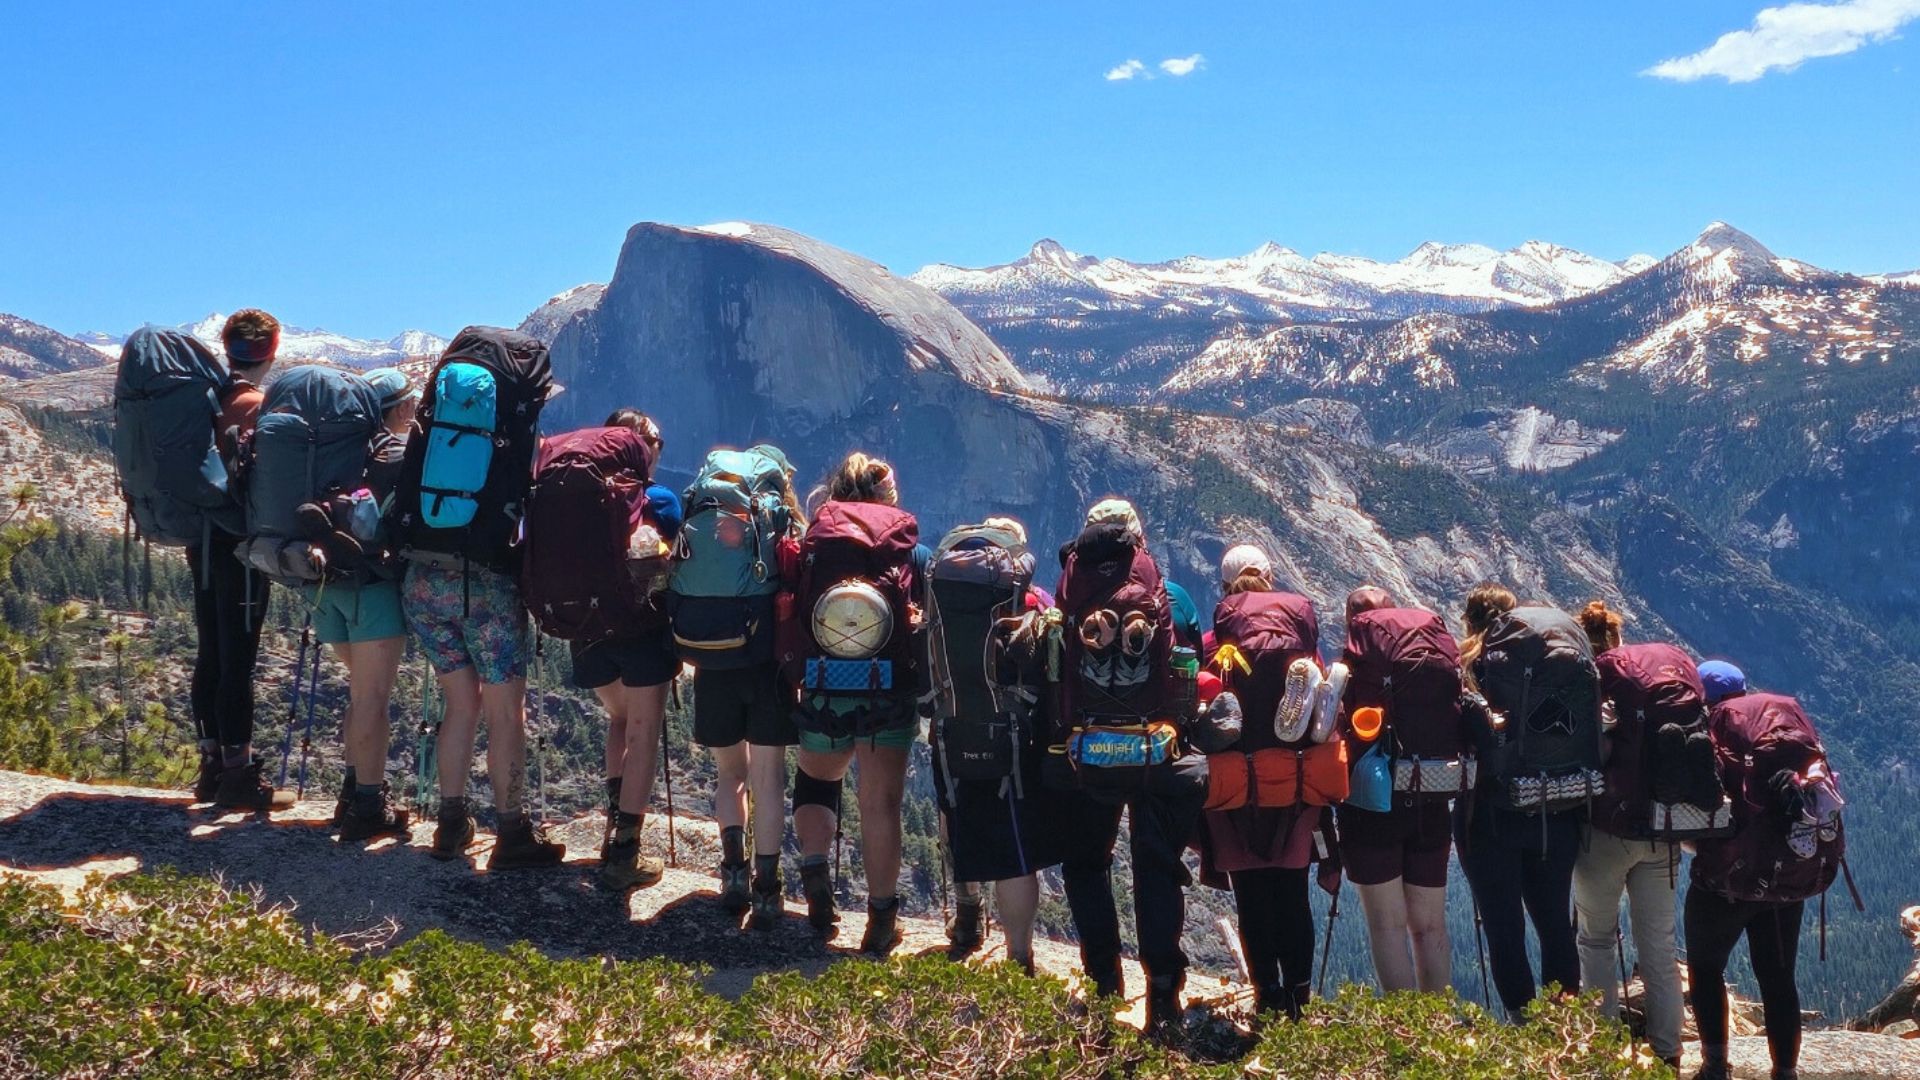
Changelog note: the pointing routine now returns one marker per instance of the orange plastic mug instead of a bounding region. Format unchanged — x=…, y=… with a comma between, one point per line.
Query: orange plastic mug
x=1367, y=722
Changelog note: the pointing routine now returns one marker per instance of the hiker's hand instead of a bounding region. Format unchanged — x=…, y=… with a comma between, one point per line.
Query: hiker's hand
x=1788, y=798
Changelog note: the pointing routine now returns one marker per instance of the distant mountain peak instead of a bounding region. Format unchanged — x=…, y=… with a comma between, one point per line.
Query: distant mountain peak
x=1720, y=236
x=1052, y=253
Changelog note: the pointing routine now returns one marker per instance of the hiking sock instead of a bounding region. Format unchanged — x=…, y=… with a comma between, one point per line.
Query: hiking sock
x=235, y=757
x=351, y=783
x=733, y=845
x=810, y=860
x=626, y=827
x=766, y=868
x=613, y=794
x=367, y=795
x=209, y=748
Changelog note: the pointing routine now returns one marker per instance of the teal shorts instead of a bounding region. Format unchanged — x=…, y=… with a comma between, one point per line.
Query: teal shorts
x=900, y=738
x=351, y=614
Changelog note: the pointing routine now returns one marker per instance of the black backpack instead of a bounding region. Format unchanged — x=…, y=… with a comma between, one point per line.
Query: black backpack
x=463, y=486
x=1537, y=672
x=984, y=659
x=166, y=401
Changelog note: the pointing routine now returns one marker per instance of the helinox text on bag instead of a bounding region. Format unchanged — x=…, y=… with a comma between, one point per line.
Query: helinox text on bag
x=166, y=401
x=985, y=656
x=463, y=488
x=589, y=494
x=726, y=565
x=308, y=462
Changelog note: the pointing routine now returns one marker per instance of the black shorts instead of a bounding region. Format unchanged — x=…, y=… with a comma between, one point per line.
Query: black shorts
x=641, y=661
x=742, y=704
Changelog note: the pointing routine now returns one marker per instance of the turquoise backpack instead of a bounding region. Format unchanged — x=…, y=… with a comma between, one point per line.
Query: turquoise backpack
x=726, y=561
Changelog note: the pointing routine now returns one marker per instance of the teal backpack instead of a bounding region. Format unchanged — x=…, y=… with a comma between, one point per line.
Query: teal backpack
x=726, y=561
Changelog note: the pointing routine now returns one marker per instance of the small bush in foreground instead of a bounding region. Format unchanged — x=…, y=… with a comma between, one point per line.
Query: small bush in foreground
x=169, y=976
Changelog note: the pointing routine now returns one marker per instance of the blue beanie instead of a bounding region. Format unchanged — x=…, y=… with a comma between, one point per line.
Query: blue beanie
x=1722, y=680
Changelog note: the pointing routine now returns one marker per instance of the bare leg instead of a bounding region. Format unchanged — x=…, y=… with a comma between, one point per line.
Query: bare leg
x=767, y=780
x=883, y=782
x=1017, y=900
x=505, y=705
x=1386, y=910
x=612, y=700
x=459, y=727
x=371, y=670
x=815, y=825
x=1432, y=947
x=646, y=709
x=731, y=763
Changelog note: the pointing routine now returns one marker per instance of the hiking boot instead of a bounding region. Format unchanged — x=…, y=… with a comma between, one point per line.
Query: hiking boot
x=342, y=804
x=625, y=868
x=371, y=816
x=769, y=908
x=522, y=845
x=816, y=884
x=453, y=832
x=1714, y=1071
x=243, y=788
x=734, y=893
x=883, y=927
x=207, y=780
x=1108, y=978
x=1166, y=1021
x=967, y=929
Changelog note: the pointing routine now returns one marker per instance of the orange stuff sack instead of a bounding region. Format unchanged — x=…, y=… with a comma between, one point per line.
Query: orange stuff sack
x=1278, y=777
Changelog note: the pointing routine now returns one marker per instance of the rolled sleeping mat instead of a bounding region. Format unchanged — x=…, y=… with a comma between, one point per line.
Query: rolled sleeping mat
x=1294, y=716
x=1326, y=703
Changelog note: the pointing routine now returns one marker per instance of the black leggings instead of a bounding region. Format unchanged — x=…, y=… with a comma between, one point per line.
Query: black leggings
x=229, y=608
x=1713, y=927
x=1514, y=878
x=1276, y=930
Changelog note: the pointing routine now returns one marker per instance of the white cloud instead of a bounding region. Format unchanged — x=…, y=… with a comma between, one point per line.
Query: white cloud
x=1182, y=65
x=1128, y=70
x=1784, y=37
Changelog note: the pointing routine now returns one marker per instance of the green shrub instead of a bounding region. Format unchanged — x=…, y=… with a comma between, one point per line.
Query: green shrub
x=171, y=976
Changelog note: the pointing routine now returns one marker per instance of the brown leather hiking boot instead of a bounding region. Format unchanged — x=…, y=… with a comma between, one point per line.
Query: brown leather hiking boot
x=243, y=788
x=370, y=817
x=453, y=831
x=625, y=868
x=883, y=927
x=816, y=884
x=967, y=929
x=524, y=846
x=207, y=780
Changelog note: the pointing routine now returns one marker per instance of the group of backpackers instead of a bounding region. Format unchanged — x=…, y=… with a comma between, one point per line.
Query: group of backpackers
x=1566, y=766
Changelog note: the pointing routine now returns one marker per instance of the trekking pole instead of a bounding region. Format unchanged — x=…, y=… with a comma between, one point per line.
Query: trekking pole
x=1620, y=950
x=535, y=731
x=1480, y=947
x=666, y=768
x=1326, y=950
x=293, y=701
x=426, y=742
x=306, y=737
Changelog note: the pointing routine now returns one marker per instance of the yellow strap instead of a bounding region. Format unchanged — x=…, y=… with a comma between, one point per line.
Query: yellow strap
x=1230, y=656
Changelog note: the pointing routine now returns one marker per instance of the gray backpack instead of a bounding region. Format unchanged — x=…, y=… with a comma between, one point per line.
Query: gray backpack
x=306, y=479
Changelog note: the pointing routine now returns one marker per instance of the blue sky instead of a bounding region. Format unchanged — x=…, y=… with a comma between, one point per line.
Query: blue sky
x=368, y=167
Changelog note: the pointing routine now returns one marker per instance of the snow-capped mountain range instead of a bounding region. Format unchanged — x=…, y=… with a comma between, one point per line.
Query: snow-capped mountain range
x=1275, y=281
x=298, y=343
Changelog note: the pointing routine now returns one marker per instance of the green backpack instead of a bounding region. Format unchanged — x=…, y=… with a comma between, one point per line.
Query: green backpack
x=726, y=561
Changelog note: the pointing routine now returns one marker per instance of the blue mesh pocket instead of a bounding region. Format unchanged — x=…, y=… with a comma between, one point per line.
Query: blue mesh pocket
x=826, y=674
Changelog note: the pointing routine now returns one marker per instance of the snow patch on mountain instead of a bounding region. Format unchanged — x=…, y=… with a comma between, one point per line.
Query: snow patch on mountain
x=299, y=343
x=1528, y=439
x=547, y=319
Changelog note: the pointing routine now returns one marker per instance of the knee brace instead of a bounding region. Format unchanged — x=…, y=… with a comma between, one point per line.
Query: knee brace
x=809, y=790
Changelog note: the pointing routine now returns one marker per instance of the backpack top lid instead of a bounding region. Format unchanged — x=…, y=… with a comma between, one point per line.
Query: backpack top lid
x=154, y=360
x=612, y=450
x=510, y=354
x=891, y=532
x=1764, y=733
x=1536, y=637
x=1399, y=636
x=1101, y=560
x=323, y=395
x=1651, y=678
x=1261, y=622
x=725, y=475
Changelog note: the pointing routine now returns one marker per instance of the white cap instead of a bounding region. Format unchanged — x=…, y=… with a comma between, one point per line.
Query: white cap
x=1117, y=512
x=1240, y=559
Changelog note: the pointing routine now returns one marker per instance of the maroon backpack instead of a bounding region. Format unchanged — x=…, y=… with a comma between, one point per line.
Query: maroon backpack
x=1403, y=661
x=857, y=663
x=1661, y=751
x=589, y=492
x=1756, y=736
x=1270, y=630
x=1108, y=577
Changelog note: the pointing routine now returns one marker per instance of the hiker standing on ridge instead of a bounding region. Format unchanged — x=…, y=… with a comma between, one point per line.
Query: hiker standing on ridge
x=1113, y=740
x=859, y=595
x=229, y=598
x=599, y=539
x=361, y=620
x=1259, y=633
x=733, y=566
x=459, y=520
x=986, y=671
x=1787, y=847
x=1404, y=664
x=1658, y=756
x=1538, y=736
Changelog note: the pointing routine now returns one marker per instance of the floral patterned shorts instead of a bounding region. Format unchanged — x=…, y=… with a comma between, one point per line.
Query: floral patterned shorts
x=466, y=619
